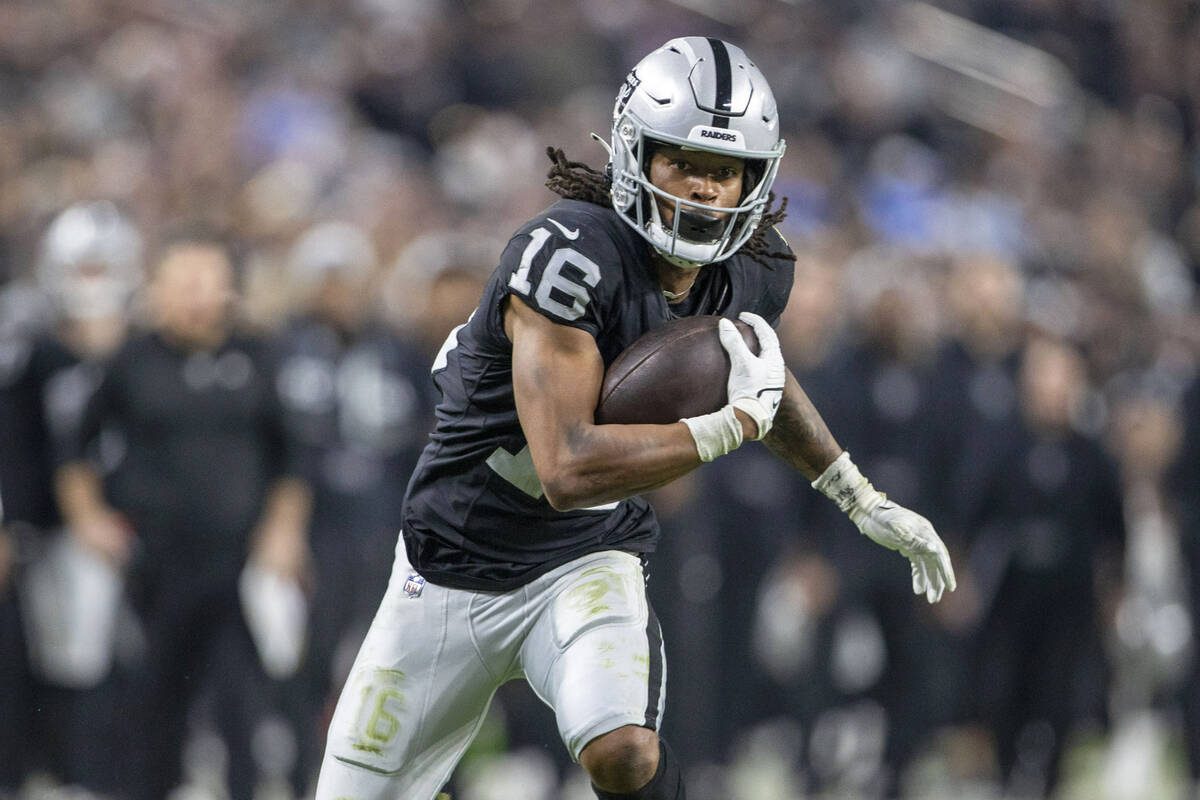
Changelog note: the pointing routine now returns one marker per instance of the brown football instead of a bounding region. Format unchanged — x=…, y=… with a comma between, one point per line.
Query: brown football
x=676, y=370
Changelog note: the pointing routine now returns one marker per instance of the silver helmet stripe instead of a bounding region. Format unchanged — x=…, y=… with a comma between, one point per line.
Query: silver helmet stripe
x=724, y=89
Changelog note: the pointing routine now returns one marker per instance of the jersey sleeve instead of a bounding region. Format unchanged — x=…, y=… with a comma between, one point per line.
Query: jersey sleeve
x=79, y=441
x=777, y=280
x=565, y=266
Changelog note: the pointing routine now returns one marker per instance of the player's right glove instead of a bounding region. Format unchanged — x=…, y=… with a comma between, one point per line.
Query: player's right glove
x=755, y=387
x=890, y=525
x=755, y=382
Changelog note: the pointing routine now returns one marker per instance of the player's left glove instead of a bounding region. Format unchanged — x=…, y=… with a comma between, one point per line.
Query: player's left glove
x=890, y=525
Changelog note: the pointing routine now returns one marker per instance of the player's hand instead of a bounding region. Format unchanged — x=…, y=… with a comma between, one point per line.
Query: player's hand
x=890, y=525
x=913, y=536
x=755, y=382
x=105, y=532
x=282, y=550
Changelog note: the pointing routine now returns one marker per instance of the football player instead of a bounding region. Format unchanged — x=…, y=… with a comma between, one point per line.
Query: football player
x=524, y=535
x=89, y=266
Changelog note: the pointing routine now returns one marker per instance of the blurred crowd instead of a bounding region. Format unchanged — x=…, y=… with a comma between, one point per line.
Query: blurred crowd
x=233, y=237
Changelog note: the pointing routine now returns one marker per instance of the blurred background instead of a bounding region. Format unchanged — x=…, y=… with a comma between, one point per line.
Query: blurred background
x=994, y=206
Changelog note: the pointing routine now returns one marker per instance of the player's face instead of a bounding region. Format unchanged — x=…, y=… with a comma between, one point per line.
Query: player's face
x=192, y=292
x=708, y=178
x=342, y=298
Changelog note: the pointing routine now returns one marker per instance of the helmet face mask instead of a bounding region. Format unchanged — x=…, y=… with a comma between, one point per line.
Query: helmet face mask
x=695, y=94
x=90, y=261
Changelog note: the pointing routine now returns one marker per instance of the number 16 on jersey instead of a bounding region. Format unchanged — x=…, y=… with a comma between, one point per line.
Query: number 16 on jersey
x=563, y=286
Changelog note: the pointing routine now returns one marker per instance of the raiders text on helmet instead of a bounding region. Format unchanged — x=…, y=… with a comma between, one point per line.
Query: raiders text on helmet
x=700, y=94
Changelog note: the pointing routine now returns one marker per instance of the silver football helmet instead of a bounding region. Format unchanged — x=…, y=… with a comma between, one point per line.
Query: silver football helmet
x=331, y=247
x=700, y=94
x=90, y=261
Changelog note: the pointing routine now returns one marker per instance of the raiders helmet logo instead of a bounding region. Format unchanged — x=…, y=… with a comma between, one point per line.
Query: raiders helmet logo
x=632, y=81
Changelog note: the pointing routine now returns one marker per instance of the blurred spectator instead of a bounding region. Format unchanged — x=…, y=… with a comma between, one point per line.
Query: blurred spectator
x=435, y=282
x=976, y=387
x=875, y=642
x=708, y=583
x=1047, y=527
x=1151, y=641
x=203, y=485
x=1185, y=483
x=356, y=402
x=748, y=672
x=89, y=266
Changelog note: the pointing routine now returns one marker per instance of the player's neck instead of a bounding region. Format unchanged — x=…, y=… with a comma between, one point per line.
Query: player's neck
x=676, y=282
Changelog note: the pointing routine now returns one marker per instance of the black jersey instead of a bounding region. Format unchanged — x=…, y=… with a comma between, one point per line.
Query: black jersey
x=357, y=408
x=475, y=514
x=203, y=441
x=43, y=390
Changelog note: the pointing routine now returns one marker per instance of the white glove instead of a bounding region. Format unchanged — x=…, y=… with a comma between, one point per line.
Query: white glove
x=755, y=382
x=755, y=386
x=890, y=525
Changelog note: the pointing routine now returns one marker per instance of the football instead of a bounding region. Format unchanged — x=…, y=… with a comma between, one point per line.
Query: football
x=676, y=370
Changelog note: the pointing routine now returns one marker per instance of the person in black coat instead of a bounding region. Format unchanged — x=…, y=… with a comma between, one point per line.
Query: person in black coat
x=1042, y=501
x=204, y=488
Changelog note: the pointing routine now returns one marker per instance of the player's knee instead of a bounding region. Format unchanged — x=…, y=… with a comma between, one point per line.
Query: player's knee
x=623, y=760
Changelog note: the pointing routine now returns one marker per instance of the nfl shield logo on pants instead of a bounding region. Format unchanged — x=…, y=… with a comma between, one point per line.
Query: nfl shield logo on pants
x=414, y=585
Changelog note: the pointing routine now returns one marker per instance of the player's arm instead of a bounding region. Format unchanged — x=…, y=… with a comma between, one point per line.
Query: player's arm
x=79, y=484
x=80, y=493
x=557, y=374
x=800, y=437
x=281, y=538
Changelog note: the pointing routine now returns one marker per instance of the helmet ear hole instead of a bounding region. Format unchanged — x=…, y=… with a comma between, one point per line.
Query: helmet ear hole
x=649, y=148
x=752, y=175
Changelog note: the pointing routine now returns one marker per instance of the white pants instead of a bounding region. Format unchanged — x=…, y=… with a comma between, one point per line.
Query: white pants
x=583, y=636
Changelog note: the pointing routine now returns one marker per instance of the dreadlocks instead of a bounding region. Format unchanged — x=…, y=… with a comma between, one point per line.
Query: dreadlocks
x=758, y=247
x=575, y=180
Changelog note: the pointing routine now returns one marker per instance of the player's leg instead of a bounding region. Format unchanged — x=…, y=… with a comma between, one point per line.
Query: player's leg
x=618, y=760
x=245, y=695
x=308, y=692
x=15, y=689
x=595, y=656
x=178, y=633
x=415, y=698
